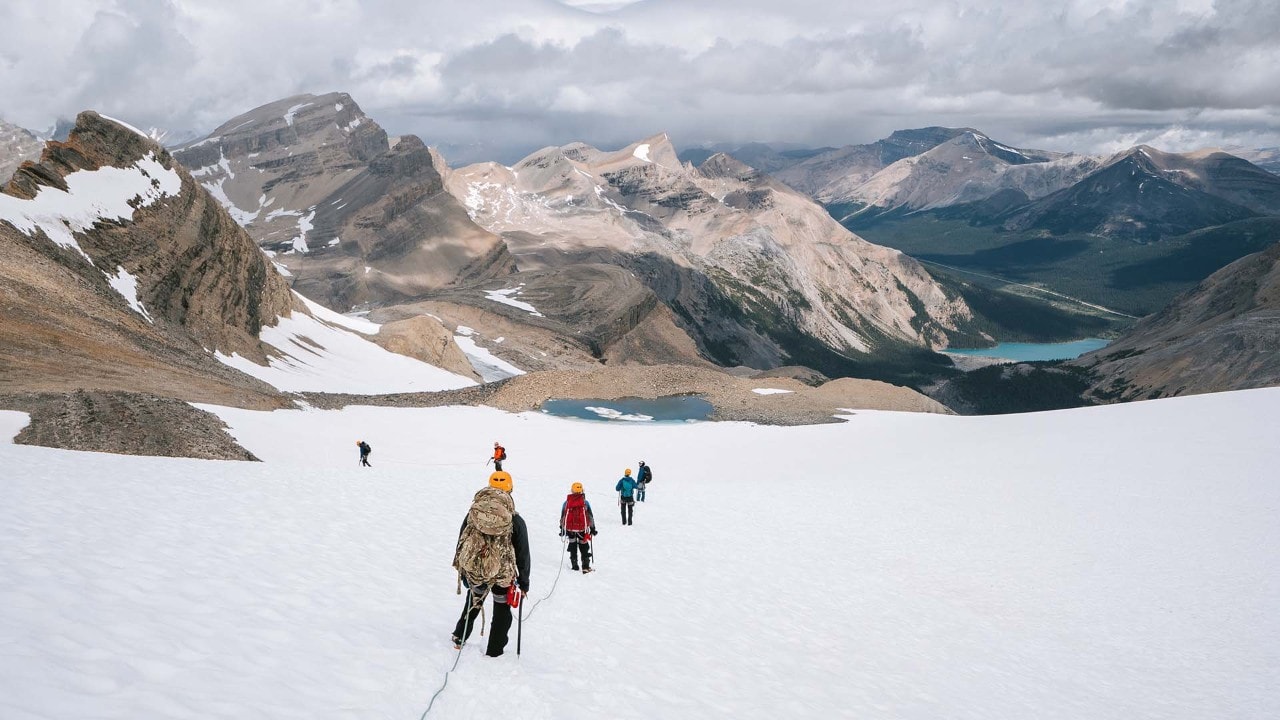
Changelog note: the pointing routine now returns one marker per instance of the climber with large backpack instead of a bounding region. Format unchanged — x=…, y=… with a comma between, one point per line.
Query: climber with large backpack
x=492, y=558
x=578, y=525
x=644, y=476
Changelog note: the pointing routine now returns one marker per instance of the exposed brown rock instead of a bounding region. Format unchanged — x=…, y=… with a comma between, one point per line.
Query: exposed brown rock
x=425, y=339
x=732, y=397
x=123, y=423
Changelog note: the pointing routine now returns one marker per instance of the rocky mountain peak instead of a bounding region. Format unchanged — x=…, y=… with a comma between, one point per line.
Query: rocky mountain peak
x=121, y=272
x=722, y=165
x=906, y=143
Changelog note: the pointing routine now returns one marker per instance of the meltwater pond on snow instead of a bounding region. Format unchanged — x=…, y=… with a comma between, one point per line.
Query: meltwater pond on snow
x=675, y=408
x=1031, y=352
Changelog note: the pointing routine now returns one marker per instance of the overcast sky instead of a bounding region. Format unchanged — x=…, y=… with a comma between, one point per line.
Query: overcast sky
x=497, y=78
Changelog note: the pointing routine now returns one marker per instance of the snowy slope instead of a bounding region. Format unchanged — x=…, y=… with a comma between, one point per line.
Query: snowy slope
x=1115, y=562
x=324, y=352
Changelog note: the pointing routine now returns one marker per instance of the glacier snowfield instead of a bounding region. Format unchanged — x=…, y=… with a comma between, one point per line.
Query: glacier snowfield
x=1115, y=562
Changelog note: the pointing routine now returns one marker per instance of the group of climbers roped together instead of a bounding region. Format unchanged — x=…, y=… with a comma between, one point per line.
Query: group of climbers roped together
x=492, y=553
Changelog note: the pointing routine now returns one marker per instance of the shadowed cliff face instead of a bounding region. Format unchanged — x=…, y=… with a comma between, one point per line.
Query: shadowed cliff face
x=1222, y=335
x=352, y=218
x=120, y=272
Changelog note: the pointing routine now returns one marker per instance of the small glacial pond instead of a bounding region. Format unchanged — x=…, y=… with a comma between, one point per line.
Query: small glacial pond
x=682, y=408
x=1029, y=352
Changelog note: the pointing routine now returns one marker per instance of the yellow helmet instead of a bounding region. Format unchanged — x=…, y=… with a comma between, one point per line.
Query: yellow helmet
x=628, y=471
x=576, y=488
x=501, y=480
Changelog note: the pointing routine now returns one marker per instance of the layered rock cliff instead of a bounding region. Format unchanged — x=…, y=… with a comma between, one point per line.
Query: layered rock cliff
x=121, y=273
x=354, y=219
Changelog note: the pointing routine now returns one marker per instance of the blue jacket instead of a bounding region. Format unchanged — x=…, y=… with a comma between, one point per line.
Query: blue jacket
x=626, y=486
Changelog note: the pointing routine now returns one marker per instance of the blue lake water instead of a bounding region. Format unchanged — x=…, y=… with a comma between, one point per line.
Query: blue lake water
x=1028, y=352
x=681, y=408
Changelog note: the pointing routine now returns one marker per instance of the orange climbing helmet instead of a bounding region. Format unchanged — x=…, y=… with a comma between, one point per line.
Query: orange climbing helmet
x=575, y=488
x=501, y=480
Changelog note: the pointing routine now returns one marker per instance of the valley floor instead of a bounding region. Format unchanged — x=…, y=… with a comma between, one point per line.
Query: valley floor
x=1111, y=562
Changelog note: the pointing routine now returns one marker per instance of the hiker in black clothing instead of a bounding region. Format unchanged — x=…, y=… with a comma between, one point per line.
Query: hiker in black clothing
x=578, y=524
x=643, y=476
x=488, y=563
x=364, y=453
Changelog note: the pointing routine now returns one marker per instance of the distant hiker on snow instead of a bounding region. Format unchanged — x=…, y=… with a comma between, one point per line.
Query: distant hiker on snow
x=626, y=488
x=364, y=453
x=499, y=454
x=643, y=477
x=492, y=555
x=579, y=525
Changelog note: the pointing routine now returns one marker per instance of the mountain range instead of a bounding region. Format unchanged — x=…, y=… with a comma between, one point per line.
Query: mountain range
x=576, y=257
x=721, y=263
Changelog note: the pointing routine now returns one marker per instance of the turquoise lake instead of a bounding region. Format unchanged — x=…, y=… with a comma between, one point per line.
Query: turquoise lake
x=1029, y=352
x=666, y=409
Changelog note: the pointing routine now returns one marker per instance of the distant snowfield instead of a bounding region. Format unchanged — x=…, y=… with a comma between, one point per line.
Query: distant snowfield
x=324, y=353
x=1116, y=562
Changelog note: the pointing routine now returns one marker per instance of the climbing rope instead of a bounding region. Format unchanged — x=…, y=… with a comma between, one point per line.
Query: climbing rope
x=456, y=660
x=564, y=542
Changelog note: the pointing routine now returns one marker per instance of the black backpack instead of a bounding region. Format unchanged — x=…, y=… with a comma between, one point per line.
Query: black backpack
x=646, y=474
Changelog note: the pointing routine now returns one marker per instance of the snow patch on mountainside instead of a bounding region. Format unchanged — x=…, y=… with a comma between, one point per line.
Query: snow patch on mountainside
x=323, y=353
x=127, y=285
x=91, y=196
x=488, y=366
x=507, y=296
x=288, y=116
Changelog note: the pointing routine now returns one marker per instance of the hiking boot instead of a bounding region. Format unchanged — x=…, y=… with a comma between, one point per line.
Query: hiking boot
x=573, y=567
x=585, y=570
x=457, y=644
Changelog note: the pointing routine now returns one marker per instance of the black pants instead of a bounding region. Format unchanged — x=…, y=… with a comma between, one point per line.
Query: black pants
x=497, y=465
x=501, y=620
x=579, y=548
x=628, y=509
x=364, y=459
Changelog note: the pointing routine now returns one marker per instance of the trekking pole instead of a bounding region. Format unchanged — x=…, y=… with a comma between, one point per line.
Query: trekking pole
x=519, y=628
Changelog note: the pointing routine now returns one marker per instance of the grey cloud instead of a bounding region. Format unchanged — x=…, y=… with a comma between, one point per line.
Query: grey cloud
x=523, y=73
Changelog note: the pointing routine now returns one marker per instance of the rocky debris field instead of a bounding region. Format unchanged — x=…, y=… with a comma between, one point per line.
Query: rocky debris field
x=733, y=397
x=123, y=423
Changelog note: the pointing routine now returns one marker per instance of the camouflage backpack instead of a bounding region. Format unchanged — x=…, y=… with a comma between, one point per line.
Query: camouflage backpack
x=485, y=555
